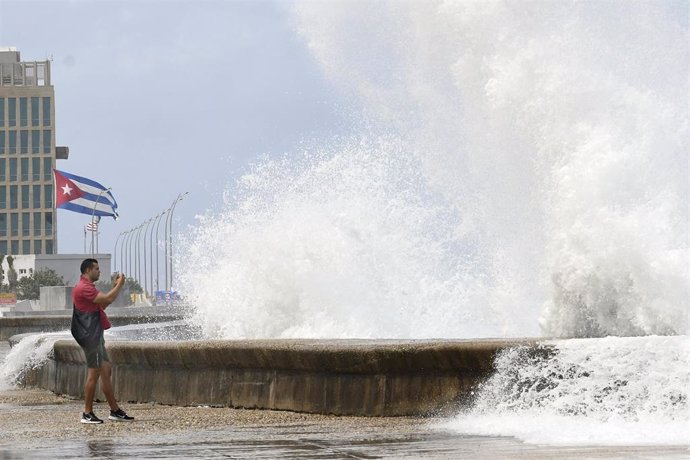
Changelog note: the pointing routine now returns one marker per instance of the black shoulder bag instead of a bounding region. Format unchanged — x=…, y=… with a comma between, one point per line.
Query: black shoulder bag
x=86, y=327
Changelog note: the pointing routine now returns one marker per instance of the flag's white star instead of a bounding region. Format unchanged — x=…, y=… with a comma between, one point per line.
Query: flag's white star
x=66, y=190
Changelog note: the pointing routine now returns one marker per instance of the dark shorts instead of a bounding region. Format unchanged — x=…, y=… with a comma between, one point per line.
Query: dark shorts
x=96, y=355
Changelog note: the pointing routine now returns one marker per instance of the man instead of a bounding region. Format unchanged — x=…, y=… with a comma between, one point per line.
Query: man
x=89, y=320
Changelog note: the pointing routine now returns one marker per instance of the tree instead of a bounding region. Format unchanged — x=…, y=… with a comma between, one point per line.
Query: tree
x=11, y=274
x=29, y=287
x=2, y=273
x=131, y=286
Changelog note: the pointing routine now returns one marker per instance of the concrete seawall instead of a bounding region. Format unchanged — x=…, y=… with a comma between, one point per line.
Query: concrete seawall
x=343, y=377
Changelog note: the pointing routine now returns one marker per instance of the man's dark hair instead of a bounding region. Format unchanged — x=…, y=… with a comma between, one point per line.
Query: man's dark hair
x=86, y=264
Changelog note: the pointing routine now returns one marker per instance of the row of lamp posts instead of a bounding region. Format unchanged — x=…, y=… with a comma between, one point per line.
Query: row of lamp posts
x=132, y=252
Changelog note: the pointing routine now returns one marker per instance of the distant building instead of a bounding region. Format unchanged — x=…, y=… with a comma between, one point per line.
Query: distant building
x=28, y=219
x=66, y=265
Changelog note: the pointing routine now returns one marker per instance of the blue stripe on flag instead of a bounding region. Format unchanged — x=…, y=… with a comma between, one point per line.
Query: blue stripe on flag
x=85, y=210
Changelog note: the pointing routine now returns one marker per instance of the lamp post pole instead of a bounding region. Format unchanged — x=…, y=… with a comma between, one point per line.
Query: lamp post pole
x=158, y=224
x=137, y=260
x=115, y=249
x=123, y=261
x=168, y=241
x=157, y=218
x=129, y=253
x=146, y=228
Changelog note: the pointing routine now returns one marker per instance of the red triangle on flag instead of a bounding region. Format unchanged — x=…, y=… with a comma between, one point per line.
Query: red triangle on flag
x=65, y=190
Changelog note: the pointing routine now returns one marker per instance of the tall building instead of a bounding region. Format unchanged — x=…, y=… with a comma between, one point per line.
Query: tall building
x=28, y=220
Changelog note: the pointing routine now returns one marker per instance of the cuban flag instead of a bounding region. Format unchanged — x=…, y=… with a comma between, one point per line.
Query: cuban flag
x=83, y=195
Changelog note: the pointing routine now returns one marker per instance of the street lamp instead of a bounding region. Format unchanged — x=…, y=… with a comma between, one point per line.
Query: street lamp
x=168, y=240
x=131, y=264
x=123, y=261
x=158, y=224
x=115, y=250
x=145, y=226
x=137, y=261
x=155, y=219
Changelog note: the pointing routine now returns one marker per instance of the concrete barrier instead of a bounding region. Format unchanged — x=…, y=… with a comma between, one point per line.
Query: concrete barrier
x=342, y=377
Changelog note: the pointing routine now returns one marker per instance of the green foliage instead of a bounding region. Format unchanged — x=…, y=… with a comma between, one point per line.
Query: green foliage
x=2, y=274
x=131, y=286
x=11, y=274
x=29, y=287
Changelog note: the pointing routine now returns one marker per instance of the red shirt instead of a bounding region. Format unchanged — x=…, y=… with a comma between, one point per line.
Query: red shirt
x=83, y=296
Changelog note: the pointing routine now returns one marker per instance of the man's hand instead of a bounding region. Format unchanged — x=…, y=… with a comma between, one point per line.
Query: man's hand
x=105, y=299
x=119, y=280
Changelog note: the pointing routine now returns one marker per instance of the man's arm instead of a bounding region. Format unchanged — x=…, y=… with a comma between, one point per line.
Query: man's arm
x=106, y=299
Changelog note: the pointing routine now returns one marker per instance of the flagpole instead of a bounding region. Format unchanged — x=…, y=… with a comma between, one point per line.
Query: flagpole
x=93, y=214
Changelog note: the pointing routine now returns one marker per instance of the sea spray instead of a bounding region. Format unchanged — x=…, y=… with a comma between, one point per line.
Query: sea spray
x=552, y=140
x=31, y=352
x=559, y=130
x=342, y=243
x=594, y=391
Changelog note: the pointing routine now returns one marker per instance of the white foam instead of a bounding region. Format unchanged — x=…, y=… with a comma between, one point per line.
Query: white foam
x=30, y=352
x=625, y=391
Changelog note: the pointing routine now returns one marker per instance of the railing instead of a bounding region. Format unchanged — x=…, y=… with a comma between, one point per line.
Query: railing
x=35, y=73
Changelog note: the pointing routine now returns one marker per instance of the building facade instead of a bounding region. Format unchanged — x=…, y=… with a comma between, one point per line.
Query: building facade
x=28, y=220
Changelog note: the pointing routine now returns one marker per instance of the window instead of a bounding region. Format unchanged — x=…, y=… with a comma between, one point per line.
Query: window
x=26, y=224
x=12, y=111
x=2, y=142
x=3, y=250
x=22, y=271
x=26, y=246
x=13, y=169
x=13, y=141
x=13, y=197
x=35, y=140
x=23, y=141
x=34, y=112
x=38, y=228
x=2, y=115
x=38, y=247
x=25, y=169
x=49, y=247
x=36, y=168
x=47, y=141
x=49, y=225
x=3, y=197
x=46, y=111
x=47, y=168
x=37, y=196
x=48, y=196
x=23, y=112
x=14, y=224
x=15, y=247
x=2, y=169
x=25, y=197
x=3, y=229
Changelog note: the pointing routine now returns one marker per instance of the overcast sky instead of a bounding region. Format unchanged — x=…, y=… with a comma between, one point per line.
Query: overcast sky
x=154, y=98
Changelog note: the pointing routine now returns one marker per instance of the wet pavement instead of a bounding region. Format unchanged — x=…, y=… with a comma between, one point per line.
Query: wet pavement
x=38, y=424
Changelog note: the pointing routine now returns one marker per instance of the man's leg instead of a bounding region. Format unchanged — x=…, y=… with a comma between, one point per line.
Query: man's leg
x=107, y=384
x=92, y=375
